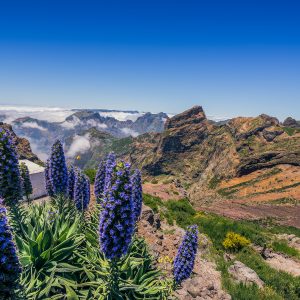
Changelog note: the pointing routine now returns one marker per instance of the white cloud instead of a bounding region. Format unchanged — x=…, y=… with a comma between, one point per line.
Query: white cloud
x=218, y=118
x=129, y=131
x=76, y=122
x=51, y=114
x=71, y=123
x=33, y=125
x=94, y=123
x=80, y=144
x=37, y=149
x=121, y=116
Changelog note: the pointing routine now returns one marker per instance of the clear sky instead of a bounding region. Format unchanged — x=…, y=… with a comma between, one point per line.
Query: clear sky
x=231, y=57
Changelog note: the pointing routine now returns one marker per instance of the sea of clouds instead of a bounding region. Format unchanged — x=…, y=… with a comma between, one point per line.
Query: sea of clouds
x=56, y=114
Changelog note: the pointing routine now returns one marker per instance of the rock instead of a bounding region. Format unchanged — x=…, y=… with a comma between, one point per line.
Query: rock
x=160, y=235
x=147, y=215
x=159, y=242
x=244, y=274
x=268, y=160
x=290, y=122
x=22, y=145
x=270, y=135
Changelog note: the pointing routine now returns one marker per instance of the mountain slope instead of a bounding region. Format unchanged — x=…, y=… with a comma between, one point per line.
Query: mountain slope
x=202, y=155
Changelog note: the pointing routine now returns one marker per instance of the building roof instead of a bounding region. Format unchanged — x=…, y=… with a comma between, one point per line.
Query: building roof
x=32, y=167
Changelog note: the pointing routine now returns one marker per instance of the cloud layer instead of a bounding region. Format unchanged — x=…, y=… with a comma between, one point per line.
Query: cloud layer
x=80, y=144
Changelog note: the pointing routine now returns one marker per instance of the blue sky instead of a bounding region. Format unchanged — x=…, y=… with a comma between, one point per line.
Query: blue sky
x=231, y=57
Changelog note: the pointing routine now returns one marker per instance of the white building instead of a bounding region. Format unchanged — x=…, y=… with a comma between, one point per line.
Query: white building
x=37, y=178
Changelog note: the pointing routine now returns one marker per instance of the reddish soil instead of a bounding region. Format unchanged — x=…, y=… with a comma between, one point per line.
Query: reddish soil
x=260, y=190
x=164, y=191
x=284, y=214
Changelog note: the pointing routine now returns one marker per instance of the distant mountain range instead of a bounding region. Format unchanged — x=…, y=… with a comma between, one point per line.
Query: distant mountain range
x=119, y=124
x=243, y=157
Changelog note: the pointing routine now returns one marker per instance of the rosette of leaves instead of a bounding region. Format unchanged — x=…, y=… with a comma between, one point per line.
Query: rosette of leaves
x=48, y=252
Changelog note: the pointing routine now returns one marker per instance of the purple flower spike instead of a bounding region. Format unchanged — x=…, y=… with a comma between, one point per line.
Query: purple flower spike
x=10, y=268
x=137, y=194
x=185, y=258
x=116, y=220
x=81, y=191
x=10, y=179
x=100, y=181
x=109, y=167
x=58, y=169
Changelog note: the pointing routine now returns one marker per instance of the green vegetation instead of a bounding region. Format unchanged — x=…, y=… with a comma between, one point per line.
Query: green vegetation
x=283, y=200
x=278, y=285
x=91, y=174
x=283, y=247
x=283, y=283
x=291, y=131
x=61, y=258
x=235, y=242
x=239, y=291
x=214, y=182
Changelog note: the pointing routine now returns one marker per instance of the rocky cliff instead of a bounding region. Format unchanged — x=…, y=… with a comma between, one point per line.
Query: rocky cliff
x=22, y=145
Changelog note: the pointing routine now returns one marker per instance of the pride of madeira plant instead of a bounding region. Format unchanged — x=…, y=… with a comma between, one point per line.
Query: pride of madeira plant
x=58, y=172
x=66, y=253
x=10, y=178
x=116, y=220
x=10, y=268
x=185, y=258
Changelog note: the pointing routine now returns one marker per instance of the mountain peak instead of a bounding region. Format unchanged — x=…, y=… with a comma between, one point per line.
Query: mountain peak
x=191, y=116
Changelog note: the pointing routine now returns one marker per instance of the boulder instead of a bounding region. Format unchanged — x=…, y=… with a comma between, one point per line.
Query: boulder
x=242, y=273
x=290, y=122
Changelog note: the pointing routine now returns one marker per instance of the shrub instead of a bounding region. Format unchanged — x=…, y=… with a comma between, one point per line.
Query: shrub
x=235, y=241
x=26, y=183
x=91, y=174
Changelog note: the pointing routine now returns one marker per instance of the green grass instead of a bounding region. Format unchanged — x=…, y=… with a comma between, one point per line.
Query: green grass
x=291, y=131
x=214, y=182
x=283, y=283
x=239, y=291
x=283, y=247
x=91, y=174
x=278, y=285
x=153, y=202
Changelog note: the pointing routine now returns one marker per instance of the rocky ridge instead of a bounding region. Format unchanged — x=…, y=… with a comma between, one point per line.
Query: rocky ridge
x=22, y=145
x=202, y=154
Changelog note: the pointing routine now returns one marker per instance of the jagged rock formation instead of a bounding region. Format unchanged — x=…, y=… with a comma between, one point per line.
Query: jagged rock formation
x=200, y=153
x=22, y=145
x=290, y=122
